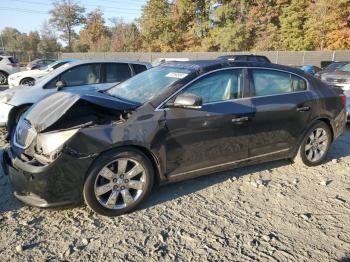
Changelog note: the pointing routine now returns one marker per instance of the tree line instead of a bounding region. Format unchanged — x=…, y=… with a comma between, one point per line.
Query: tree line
x=187, y=25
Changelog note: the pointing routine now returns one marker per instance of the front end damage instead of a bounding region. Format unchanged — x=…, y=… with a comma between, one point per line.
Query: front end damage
x=50, y=155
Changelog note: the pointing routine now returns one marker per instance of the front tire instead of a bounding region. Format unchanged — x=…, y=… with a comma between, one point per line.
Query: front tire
x=27, y=82
x=118, y=182
x=314, y=148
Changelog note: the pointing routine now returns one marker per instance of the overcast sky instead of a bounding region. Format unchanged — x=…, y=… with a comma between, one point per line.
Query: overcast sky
x=28, y=15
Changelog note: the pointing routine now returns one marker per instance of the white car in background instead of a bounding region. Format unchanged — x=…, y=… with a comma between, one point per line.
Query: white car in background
x=28, y=78
x=8, y=66
x=98, y=75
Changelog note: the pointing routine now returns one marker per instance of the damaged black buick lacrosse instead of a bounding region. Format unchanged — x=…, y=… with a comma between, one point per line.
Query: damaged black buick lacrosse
x=172, y=122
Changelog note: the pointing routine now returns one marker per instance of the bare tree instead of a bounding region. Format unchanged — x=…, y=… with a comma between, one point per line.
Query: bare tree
x=66, y=15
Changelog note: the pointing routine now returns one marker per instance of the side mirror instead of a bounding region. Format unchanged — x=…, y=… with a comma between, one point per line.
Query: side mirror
x=60, y=84
x=187, y=100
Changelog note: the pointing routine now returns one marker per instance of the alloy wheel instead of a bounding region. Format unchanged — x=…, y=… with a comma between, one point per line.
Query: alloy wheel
x=28, y=83
x=3, y=79
x=120, y=183
x=316, y=145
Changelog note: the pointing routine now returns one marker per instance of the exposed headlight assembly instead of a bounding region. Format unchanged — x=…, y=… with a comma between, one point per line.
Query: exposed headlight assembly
x=51, y=143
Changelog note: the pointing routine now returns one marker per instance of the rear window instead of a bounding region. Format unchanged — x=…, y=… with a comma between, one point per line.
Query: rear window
x=12, y=60
x=252, y=58
x=263, y=59
x=139, y=68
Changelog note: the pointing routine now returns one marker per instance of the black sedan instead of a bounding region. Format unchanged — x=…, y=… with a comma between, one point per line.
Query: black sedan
x=172, y=122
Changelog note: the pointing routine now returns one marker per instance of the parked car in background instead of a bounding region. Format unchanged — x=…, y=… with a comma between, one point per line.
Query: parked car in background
x=8, y=66
x=347, y=94
x=339, y=78
x=330, y=68
x=28, y=78
x=172, y=122
x=39, y=63
x=310, y=69
x=250, y=58
x=81, y=75
x=163, y=60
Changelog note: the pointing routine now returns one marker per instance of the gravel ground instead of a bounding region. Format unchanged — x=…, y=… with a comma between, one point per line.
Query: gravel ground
x=269, y=212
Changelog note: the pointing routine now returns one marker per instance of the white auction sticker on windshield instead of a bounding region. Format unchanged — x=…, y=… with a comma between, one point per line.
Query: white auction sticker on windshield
x=176, y=75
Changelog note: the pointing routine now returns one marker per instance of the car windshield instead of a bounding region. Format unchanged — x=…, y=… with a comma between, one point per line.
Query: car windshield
x=148, y=84
x=334, y=66
x=345, y=68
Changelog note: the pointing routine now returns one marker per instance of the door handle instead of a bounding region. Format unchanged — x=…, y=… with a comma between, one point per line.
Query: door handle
x=240, y=119
x=303, y=109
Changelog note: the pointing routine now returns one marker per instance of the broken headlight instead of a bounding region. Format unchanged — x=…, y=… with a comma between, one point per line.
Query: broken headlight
x=50, y=143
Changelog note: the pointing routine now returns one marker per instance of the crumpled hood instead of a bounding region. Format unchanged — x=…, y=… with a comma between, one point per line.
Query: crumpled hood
x=49, y=110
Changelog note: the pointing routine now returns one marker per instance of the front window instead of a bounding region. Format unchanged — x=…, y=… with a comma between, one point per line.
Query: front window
x=82, y=75
x=117, y=72
x=148, y=84
x=219, y=86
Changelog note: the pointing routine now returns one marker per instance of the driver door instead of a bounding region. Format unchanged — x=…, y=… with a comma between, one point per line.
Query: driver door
x=215, y=135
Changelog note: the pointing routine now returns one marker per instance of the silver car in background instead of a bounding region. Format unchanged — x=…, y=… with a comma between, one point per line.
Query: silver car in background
x=8, y=66
x=81, y=75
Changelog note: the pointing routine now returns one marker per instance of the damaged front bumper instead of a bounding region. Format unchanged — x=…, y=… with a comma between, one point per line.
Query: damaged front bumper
x=59, y=183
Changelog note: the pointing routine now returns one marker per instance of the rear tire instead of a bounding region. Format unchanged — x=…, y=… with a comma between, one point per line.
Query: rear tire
x=118, y=182
x=3, y=78
x=314, y=148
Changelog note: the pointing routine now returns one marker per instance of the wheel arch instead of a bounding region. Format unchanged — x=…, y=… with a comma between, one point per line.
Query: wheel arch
x=159, y=177
x=323, y=119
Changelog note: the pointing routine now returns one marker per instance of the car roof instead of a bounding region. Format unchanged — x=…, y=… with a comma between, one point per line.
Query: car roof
x=209, y=65
x=66, y=60
x=78, y=62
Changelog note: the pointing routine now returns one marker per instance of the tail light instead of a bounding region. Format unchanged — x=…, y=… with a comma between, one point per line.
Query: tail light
x=343, y=99
x=13, y=64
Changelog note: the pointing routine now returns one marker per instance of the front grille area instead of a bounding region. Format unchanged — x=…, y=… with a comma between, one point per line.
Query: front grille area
x=25, y=134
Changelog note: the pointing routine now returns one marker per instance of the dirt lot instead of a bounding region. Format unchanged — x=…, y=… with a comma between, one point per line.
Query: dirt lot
x=270, y=212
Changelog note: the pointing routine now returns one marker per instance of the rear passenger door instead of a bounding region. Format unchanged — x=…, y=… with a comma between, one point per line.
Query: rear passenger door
x=281, y=107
